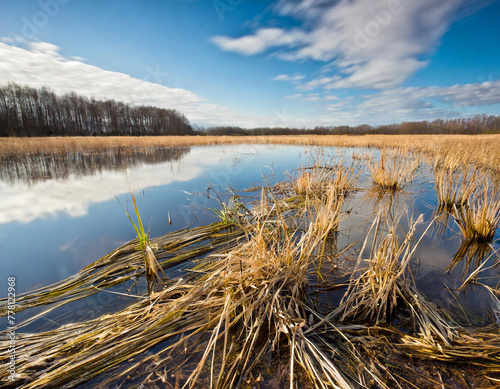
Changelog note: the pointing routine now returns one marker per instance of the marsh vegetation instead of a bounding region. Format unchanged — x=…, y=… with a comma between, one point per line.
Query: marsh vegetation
x=311, y=281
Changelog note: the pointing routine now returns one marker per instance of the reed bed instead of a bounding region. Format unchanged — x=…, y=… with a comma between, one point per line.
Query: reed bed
x=255, y=291
x=479, y=220
x=394, y=171
x=316, y=181
x=362, y=155
x=444, y=150
x=454, y=188
x=385, y=286
x=471, y=198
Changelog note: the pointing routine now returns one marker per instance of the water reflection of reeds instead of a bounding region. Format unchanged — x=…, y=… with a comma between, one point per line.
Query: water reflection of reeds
x=472, y=252
x=443, y=218
x=60, y=165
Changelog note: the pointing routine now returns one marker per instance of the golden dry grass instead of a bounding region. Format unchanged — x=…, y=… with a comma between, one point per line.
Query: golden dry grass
x=249, y=303
x=454, y=188
x=479, y=220
x=443, y=150
x=393, y=171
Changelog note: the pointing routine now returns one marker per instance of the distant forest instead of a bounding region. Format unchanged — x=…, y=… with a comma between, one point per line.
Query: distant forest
x=26, y=111
x=478, y=124
x=30, y=112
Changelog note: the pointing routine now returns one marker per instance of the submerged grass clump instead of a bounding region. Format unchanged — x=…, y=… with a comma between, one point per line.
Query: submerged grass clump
x=315, y=182
x=394, y=171
x=384, y=286
x=362, y=156
x=453, y=188
x=479, y=220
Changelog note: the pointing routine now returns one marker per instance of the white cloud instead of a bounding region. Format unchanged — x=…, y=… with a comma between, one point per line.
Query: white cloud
x=263, y=39
x=311, y=98
x=44, y=48
x=41, y=64
x=477, y=94
x=318, y=82
x=467, y=95
x=400, y=104
x=296, y=96
x=286, y=77
x=370, y=43
x=426, y=103
x=7, y=39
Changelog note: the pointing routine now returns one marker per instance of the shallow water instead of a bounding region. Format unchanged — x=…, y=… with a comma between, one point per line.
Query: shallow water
x=61, y=212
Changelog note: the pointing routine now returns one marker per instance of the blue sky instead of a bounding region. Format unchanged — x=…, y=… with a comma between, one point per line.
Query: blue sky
x=263, y=63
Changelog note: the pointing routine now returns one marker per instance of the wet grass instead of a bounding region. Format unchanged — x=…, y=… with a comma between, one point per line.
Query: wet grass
x=153, y=269
x=455, y=188
x=243, y=314
x=479, y=219
x=394, y=171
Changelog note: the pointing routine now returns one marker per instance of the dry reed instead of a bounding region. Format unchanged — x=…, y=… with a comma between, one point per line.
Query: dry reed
x=479, y=220
x=443, y=150
x=394, y=171
x=246, y=304
x=453, y=188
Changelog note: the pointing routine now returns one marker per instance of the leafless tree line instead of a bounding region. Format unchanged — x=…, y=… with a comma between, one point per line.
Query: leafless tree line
x=26, y=111
x=478, y=124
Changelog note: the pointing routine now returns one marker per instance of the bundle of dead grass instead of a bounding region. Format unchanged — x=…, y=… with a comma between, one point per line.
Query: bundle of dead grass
x=245, y=305
x=479, y=220
x=454, y=188
x=314, y=182
x=384, y=286
x=248, y=305
x=394, y=170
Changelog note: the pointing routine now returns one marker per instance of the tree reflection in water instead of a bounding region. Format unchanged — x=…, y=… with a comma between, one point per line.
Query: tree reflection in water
x=60, y=165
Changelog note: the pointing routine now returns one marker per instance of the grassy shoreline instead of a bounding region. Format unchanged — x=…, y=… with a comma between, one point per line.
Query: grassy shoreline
x=479, y=150
x=14, y=144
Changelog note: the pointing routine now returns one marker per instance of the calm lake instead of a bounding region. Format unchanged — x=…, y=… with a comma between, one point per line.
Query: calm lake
x=61, y=212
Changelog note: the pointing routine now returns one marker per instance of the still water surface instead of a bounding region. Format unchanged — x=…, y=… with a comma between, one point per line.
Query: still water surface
x=61, y=212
